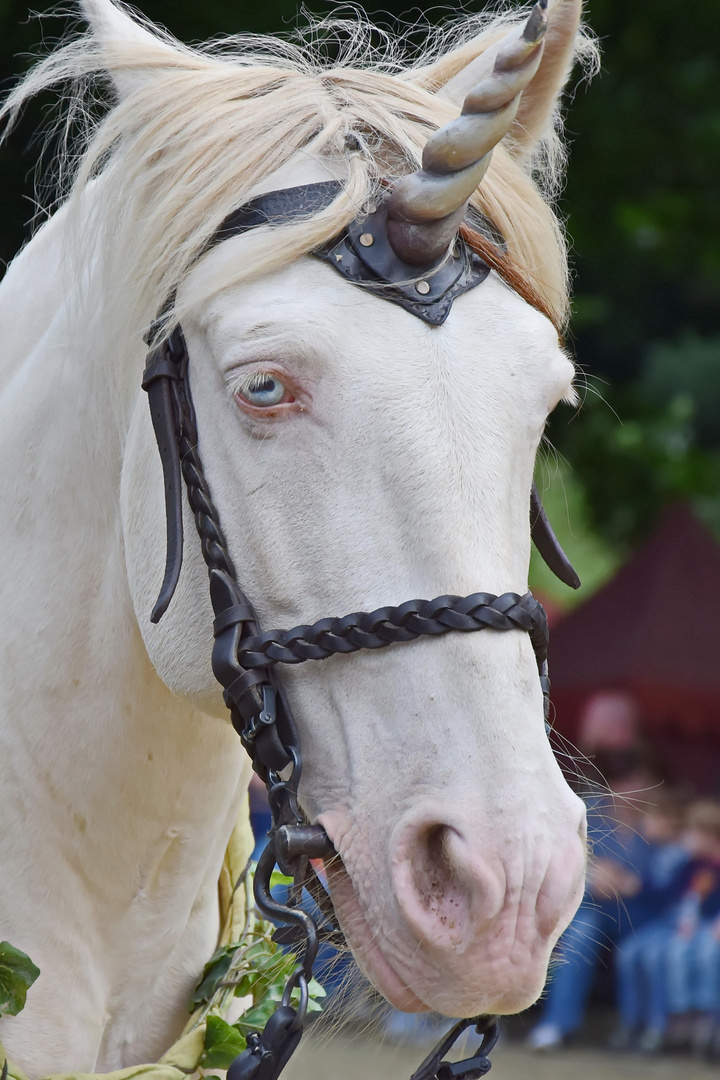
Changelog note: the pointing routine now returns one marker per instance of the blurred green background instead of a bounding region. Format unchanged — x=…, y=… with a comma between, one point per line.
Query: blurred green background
x=642, y=203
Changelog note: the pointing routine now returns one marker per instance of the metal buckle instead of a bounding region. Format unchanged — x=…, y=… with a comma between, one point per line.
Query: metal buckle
x=434, y=1068
x=267, y=715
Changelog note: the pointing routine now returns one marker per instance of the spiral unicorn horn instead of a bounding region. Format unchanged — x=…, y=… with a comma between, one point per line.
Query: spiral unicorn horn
x=426, y=208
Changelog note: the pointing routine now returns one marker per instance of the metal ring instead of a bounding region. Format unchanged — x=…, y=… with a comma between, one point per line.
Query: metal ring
x=297, y=981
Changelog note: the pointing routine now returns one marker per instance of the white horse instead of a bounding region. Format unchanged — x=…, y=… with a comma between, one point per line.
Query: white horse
x=358, y=456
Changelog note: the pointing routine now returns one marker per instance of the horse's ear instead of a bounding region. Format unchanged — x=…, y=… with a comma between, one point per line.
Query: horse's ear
x=540, y=97
x=131, y=50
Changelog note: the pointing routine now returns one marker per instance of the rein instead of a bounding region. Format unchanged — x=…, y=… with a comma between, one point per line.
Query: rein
x=245, y=659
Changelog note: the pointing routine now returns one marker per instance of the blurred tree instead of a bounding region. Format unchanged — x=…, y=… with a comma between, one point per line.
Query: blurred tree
x=689, y=366
x=645, y=224
x=633, y=457
x=641, y=191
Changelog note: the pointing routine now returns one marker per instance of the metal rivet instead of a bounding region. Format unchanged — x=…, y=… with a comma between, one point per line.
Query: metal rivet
x=367, y=239
x=423, y=288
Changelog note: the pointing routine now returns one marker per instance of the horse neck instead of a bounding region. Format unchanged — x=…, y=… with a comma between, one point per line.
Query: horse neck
x=103, y=740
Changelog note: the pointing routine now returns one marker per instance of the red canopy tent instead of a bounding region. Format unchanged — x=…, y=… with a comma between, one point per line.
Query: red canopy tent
x=653, y=630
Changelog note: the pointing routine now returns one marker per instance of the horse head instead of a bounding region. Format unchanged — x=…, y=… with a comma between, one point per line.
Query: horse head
x=359, y=455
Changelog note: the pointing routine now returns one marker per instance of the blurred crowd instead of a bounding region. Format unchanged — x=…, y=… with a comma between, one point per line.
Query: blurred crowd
x=652, y=903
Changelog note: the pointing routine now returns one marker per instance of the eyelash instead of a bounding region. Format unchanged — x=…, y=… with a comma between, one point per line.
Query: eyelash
x=247, y=383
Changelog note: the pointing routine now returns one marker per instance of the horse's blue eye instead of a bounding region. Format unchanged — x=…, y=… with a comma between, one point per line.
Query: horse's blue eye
x=263, y=390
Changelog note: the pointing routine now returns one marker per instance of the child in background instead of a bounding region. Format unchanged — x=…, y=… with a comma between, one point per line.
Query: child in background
x=658, y=970
x=657, y=888
x=618, y=764
x=692, y=957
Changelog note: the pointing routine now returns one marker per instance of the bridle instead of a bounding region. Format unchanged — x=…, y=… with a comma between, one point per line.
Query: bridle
x=245, y=660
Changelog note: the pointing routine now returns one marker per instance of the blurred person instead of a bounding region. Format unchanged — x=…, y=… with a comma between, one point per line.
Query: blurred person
x=667, y=970
x=613, y=750
x=618, y=767
x=657, y=888
x=688, y=969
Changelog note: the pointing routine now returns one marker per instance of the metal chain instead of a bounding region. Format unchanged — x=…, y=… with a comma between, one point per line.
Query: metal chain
x=472, y=1068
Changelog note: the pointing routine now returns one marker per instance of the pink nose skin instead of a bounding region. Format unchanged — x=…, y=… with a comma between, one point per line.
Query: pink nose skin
x=452, y=887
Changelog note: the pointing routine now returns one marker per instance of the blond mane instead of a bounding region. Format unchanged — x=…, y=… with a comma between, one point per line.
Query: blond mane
x=194, y=130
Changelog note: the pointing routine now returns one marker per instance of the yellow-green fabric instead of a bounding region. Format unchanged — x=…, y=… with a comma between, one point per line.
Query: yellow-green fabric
x=181, y=1060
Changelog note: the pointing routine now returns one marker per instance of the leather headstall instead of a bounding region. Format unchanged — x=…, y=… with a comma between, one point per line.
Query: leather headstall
x=245, y=660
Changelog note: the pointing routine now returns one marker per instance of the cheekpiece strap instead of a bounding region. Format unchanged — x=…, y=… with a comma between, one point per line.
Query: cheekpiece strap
x=547, y=543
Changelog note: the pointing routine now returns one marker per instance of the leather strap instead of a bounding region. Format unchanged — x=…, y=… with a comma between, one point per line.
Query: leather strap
x=384, y=626
x=548, y=544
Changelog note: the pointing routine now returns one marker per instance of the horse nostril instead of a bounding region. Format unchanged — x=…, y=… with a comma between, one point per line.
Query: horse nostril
x=434, y=891
x=447, y=888
x=432, y=867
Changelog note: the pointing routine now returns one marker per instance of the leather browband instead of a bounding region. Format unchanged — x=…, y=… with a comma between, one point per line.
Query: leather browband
x=363, y=254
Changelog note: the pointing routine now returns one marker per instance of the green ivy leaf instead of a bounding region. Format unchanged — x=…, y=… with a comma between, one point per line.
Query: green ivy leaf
x=256, y=1018
x=278, y=878
x=270, y=970
x=245, y=984
x=17, y=974
x=213, y=973
x=262, y=953
x=315, y=992
x=223, y=1043
x=260, y=970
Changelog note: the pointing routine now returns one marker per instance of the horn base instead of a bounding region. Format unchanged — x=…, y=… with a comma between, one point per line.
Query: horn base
x=421, y=245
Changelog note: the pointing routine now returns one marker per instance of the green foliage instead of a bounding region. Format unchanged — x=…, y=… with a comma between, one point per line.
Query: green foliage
x=260, y=971
x=214, y=972
x=17, y=974
x=223, y=1043
x=689, y=367
x=634, y=457
x=641, y=190
x=255, y=968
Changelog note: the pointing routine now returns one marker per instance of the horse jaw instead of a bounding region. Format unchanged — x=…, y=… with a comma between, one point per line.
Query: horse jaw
x=405, y=474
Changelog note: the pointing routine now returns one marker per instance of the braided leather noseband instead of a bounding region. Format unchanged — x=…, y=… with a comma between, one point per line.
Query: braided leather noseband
x=376, y=629
x=244, y=659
